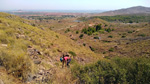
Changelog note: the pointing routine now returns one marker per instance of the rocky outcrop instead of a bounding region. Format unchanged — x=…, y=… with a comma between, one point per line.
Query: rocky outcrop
x=43, y=76
x=33, y=51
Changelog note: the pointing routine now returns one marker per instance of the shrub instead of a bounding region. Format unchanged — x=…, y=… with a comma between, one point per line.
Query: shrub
x=84, y=44
x=57, y=36
x=81, y=36
x=114, y=71
x=130, y=31
x=106, y=25
x=130, y=21
x=113, y=29
x=142, y=35
x=96, y=37
x=98, y=27
x=111, y=49
x=89, y=33
x=101, y=31
x=108, y=30
x=123, y=36
x=72, y=53
x=104, y=52
x=77, y=32
x=95, y=33
x=110, y=36
x=93, y=49
x=67, y=30
x=17, y=64
x=33, y=25
x=101, y=72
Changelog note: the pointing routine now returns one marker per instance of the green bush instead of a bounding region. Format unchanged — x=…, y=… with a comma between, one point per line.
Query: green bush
x=77, y=32
x=108, y=30
x=123, y=36
x=81, y=36
x=93, y=49
x=101, y=31
x=110, y=36
x=114, y=71
x=96, y=37
x=98, y=27
x=57, y=36
x=130, y=32
x=72, y=53
x=111, y=49
x=67, y=30
x=130, y=21
x=142, y=35
x=84, y=44
x=104, y=52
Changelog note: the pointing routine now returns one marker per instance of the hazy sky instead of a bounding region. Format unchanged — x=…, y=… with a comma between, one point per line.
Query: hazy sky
x=70, y=4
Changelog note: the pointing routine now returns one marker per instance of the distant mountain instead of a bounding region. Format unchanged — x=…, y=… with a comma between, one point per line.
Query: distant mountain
x=132, y=10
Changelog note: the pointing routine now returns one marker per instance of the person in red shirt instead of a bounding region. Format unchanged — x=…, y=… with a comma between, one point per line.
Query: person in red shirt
x=65, y=59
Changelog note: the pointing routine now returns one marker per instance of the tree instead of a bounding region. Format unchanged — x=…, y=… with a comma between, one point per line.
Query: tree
x=130, y=21
x=98, y=27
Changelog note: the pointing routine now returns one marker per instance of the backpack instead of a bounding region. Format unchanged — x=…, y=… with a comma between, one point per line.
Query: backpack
x=61, y=59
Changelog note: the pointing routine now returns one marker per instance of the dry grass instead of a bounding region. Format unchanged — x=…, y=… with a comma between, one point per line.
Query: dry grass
x=18, y=34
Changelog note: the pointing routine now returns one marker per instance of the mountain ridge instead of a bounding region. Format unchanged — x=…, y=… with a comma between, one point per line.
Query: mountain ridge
x=126, y=11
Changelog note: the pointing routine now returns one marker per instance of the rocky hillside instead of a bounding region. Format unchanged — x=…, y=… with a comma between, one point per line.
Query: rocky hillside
x=31, y=55
x=132, y=10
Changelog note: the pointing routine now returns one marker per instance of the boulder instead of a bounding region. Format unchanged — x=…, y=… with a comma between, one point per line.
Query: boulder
x=37, y=61
x=1, y=82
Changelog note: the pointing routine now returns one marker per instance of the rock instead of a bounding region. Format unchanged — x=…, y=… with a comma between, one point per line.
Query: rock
x=29, y=46
x=34, y=77
x=1, y=82
x=80, y=59
x=4, y=45
x=41, y=72
x=32, y=51
x=37, y=61
x=20, y=36
x=30, y=77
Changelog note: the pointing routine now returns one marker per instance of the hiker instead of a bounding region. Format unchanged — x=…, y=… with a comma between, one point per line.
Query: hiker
x=67, y=60
x=62, y=60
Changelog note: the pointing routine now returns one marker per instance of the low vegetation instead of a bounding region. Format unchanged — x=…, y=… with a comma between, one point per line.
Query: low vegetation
x=26, y=50
x=126, y=18
x=30, y=50
x=72, y=53
x=114, y=71
x=96, y=29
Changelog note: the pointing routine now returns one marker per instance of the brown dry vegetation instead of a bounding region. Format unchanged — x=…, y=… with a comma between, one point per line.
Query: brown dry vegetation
x=32, y=49
x=17, y=40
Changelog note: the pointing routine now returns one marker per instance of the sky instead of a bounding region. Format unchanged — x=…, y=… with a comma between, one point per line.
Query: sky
x=70, y=4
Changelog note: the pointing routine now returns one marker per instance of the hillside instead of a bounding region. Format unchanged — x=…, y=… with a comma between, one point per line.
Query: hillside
x=102, y=52
x=132, y=10
x=112, y=39
x=31, y=54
